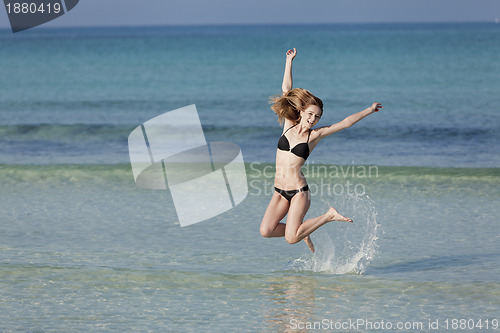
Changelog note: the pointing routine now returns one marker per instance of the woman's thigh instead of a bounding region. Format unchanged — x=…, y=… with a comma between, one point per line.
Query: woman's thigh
x=275, y=212
x=298, y=208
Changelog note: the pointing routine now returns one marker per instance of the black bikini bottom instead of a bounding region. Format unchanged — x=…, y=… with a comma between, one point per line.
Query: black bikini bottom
x=288, y=195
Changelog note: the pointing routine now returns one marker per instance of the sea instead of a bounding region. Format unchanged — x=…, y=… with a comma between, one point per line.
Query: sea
x=84, y=249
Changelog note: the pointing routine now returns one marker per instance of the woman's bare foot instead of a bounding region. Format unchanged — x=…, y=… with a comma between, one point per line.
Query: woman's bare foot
x=333, y=215
x=309, y=243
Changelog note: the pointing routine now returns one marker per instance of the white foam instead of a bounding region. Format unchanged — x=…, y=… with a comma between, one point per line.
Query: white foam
x=343, y=248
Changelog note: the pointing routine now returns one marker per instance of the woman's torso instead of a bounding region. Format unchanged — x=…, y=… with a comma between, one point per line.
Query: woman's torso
x=291, y=156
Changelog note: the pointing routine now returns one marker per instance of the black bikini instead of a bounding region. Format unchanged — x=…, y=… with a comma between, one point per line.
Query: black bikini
x=300, y=150
x=288, y=195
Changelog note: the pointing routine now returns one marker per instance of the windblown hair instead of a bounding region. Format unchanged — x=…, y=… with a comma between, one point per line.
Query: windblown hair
x=291, y=103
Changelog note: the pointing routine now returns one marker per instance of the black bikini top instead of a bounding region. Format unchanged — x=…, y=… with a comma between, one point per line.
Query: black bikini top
x=301, y=149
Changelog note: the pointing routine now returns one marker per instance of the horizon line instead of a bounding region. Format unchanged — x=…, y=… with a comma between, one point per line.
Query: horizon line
x=492, y=21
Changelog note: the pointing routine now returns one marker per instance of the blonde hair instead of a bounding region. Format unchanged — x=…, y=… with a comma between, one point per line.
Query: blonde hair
x=291, y=103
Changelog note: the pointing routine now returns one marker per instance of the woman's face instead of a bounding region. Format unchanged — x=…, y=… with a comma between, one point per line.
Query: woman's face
x=310, y=116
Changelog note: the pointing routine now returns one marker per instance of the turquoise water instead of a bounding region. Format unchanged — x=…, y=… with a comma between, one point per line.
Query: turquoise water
x=82, y=248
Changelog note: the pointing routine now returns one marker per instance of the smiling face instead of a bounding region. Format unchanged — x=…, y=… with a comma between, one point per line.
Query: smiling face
x=310, y=116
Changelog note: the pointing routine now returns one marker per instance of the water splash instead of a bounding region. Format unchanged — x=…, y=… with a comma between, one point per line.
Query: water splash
x=342, y=247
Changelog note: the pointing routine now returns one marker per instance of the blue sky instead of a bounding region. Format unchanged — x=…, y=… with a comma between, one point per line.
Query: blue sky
x=167, y=12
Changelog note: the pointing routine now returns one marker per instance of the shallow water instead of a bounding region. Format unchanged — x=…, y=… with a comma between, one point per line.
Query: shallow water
x=84, y=249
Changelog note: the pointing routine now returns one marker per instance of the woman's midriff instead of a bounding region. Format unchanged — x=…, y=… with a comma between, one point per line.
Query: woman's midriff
x=288, y=174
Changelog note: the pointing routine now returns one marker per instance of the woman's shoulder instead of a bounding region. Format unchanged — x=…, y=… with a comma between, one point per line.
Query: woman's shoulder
x=316, y=133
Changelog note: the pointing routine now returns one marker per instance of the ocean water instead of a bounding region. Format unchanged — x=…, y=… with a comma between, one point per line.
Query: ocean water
x=82, y=248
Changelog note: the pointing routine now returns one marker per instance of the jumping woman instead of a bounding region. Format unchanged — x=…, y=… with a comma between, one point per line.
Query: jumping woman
x=299, y=111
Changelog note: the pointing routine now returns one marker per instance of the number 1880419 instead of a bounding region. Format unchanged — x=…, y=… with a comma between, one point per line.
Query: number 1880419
x=471, y=324
x=32, y=8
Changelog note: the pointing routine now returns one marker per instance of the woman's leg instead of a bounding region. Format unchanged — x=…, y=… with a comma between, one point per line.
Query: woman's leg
x=296, y=228
x=275, y=212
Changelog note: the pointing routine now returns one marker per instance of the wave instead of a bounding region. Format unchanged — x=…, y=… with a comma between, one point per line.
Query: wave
x=421, y=133
x=380, y=173
x=57, y=174
x=407, y=133
x=258, y=174
x=75, y=132
x=64, y=133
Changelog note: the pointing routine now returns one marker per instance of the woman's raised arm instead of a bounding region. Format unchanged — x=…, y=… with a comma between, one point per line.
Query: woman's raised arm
x=348, y=121
x=287, y=77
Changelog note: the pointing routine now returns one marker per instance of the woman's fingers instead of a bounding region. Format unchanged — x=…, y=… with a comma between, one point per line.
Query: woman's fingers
x=291, y=53
x=377, y=106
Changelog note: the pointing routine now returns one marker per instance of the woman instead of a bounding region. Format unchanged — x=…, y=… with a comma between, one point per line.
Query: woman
x=299, y=111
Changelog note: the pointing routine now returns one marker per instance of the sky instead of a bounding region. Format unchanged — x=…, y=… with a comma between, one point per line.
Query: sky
x=201, y=12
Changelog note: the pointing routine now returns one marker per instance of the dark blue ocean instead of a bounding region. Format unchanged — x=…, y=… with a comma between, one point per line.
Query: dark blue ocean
x=73, y=95
x=82, y=248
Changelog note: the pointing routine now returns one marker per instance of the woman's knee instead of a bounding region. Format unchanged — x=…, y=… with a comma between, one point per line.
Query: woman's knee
x=291, y=239
x=266, y=232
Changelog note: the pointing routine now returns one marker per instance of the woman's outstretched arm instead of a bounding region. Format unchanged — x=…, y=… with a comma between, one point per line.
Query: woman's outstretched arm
x=349, y=121
x=287, y=77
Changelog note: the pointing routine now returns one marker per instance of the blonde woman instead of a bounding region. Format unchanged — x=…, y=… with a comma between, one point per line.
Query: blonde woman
x=299, y=111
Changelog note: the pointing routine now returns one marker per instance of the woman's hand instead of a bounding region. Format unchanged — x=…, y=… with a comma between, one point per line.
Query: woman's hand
x=290, y=54
x=376, y=106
